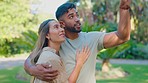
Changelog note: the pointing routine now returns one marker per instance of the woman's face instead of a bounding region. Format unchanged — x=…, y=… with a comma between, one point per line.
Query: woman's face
x=56, y=33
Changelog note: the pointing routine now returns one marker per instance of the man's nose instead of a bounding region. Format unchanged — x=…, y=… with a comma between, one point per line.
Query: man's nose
x=77, y=19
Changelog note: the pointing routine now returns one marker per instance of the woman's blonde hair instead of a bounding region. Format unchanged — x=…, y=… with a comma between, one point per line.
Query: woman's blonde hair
x=42, y=41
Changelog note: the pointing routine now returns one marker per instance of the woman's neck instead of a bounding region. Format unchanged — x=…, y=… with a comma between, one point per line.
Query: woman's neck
x=55, y=46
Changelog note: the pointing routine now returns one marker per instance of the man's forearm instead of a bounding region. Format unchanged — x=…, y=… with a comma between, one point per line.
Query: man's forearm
x=41, y=71
x=124, y=25
x=28, y=65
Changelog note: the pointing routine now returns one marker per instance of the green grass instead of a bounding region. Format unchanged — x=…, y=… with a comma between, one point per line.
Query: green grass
x=9, y=75
x=137, y=74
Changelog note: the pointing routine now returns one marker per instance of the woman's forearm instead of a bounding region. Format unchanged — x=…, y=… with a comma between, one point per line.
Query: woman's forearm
x=75, y=73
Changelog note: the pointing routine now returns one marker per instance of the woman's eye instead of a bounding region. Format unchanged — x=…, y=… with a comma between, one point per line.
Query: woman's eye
x=56, y=27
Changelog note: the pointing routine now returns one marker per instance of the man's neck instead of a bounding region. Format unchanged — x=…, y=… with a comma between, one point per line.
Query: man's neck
x=71, y=35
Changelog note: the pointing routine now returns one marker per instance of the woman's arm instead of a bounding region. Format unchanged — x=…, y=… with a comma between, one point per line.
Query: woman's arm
x=81, y=58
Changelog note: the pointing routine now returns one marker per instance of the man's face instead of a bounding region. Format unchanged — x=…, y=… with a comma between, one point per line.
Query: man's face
x=71, y=21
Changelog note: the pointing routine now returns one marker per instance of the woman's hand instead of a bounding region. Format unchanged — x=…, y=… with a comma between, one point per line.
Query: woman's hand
x=82, y=56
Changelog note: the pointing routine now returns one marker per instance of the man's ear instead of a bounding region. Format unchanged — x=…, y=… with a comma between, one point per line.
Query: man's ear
x=62, y=24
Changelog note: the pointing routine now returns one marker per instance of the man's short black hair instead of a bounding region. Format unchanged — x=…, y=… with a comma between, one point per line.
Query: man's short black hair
x=64, y=9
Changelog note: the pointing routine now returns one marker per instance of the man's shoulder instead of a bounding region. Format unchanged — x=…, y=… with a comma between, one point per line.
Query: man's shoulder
x=90, y=33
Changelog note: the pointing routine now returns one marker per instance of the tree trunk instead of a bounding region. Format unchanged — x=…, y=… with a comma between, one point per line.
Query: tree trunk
x=85, y=11
x=105, y=65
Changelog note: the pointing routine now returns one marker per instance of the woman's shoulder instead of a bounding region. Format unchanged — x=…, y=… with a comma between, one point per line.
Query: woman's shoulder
x=49, y=49
x=49, y=53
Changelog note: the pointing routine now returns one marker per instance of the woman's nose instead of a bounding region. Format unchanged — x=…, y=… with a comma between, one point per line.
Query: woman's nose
x=61, y=29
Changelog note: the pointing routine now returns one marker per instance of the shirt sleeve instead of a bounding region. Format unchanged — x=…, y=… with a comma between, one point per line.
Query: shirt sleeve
x=45, y=57
x=96, y=38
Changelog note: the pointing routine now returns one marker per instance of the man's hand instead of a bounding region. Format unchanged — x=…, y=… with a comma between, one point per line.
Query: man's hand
x=125, y=4
x=44, y=72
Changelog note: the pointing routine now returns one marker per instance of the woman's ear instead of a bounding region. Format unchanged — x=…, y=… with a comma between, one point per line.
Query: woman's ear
x=47, y=36
x=62, y=24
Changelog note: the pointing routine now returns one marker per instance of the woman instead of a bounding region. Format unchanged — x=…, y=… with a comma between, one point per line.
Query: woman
x=51, y=35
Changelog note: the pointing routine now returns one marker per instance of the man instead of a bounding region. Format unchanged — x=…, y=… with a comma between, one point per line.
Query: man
x=68, y=17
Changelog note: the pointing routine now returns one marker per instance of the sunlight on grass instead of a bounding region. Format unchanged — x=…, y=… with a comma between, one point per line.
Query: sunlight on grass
x=146, y=74
x=9, y=75
x=137, y=73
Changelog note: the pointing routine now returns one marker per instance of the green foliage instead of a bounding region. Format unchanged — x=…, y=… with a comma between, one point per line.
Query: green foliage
x=108, y=27
x=134, y=51
x=140, y=15
x=128, y=50
x=15, y=18
x=27, y=41
x=7, y=48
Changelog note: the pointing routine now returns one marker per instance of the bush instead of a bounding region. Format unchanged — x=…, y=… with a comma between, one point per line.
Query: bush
x=15, y=19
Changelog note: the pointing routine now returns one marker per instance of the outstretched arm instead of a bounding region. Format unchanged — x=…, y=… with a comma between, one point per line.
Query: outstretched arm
x=81, y=58
x=42, y=71
x=123, y=33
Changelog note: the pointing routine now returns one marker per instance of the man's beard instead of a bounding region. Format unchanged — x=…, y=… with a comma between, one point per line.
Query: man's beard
x=72, y=29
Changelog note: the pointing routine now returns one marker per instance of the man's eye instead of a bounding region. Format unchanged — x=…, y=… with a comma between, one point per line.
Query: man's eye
x=71, y=17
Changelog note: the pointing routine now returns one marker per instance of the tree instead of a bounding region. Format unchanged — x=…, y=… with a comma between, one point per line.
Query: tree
x=15, y=18
x=140, y=18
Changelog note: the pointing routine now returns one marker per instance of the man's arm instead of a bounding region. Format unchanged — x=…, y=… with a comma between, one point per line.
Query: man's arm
x=123, y=33
x=42, y=72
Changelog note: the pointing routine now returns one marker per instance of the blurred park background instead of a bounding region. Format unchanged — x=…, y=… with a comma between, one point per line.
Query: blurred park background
x=20, y=19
